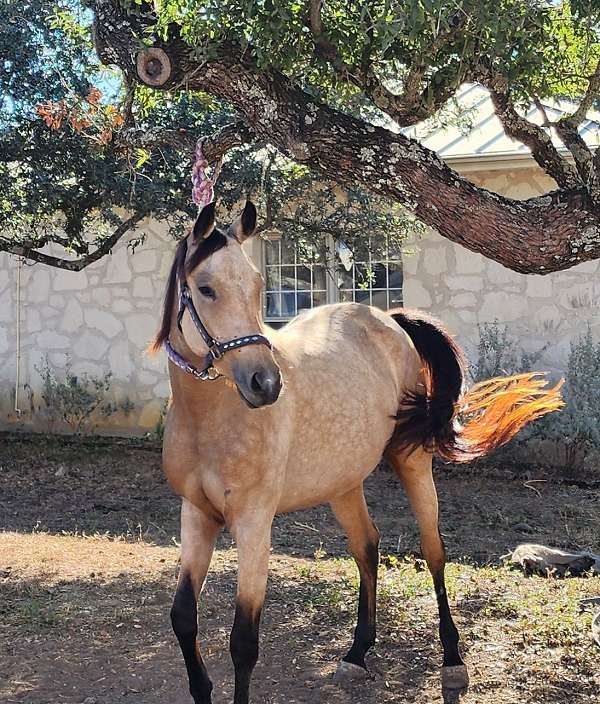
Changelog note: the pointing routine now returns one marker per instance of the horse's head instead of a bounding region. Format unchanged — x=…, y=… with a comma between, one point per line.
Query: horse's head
x=225, y=289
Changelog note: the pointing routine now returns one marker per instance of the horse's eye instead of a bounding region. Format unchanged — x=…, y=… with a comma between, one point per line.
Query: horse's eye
x=208, y=292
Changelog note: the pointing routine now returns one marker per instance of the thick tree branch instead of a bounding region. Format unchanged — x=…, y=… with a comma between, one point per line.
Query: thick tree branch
x=214, y=146
x=27, y=251
x=530, y=134
x=327, y=50
x=582, y=156
x=568, y=130
x=540, y=235
x=587, y=101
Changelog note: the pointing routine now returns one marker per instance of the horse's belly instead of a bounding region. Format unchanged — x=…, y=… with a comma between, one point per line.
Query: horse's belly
x=332, y=459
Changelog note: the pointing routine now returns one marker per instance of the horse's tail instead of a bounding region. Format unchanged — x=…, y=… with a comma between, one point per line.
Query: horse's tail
x=493, y=411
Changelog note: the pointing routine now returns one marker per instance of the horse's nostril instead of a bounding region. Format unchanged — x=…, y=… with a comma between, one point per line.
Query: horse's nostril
x=260, y=388
x=257, y=382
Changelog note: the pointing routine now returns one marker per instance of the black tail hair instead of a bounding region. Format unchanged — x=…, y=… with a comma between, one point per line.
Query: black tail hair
x=427, y=418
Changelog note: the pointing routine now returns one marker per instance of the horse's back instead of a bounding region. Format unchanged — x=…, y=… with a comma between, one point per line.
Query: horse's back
x=347, y=366
x=342, y=329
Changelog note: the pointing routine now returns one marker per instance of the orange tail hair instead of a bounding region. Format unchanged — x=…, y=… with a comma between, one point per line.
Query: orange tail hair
x=498, y=408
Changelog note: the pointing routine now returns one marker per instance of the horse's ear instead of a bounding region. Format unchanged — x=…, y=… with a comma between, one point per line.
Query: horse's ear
x=245, y=225
x=205, y=222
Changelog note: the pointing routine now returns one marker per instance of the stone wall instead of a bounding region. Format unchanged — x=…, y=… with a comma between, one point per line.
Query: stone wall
x=100, y=319
x=463, y=288
x=103, y=318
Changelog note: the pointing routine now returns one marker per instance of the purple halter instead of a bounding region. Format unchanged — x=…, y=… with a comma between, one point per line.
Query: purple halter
x=216, y=349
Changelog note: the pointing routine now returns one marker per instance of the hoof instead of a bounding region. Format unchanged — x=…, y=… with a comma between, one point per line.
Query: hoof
x=455, y=677
x=348, y=673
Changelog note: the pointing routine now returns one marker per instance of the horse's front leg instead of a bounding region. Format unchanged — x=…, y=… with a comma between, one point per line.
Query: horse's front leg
x=198, y=535
x=251, y=528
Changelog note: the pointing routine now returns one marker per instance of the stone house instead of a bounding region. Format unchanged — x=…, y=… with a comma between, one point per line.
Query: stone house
x=101, y=319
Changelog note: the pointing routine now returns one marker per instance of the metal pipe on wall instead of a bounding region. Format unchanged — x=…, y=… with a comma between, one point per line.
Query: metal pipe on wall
x=18, y=341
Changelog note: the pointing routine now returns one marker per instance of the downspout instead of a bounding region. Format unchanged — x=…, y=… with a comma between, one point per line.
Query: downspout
x=18, y=346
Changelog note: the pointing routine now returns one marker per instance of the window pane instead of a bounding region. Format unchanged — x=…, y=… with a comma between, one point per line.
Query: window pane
x=347, y=296
x=273, y=305
x=272, y=251
x=345, y=279
x=303, y=276
x=395, y=273
x=379, y=276
x=319, y=277
x=362, y=295
x=395, y=297
x=273, y=278
x=319, y=298
x=361, y=250
x=304, y=300
x=380, y=298
x=288, y=307
x=287, y=252
x=362, y=274
x=288, y=278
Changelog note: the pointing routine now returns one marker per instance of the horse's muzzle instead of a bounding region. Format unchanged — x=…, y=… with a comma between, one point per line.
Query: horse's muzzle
x=259, y=387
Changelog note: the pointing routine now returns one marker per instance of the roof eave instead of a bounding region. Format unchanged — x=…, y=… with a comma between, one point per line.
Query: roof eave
x=497, y=162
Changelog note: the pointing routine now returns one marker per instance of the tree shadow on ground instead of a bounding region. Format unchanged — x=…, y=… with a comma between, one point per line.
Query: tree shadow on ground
x=120, y=491
x=112, y=641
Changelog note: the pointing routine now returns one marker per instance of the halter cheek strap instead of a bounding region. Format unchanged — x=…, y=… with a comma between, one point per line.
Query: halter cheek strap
x=216, y=349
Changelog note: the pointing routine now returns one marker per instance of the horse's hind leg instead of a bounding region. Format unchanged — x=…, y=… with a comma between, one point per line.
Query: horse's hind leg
x=363, y=541
x=198, y=536
x=415, y=473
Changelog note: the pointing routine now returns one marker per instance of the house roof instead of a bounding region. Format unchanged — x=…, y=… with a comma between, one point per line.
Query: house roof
x=482, y=138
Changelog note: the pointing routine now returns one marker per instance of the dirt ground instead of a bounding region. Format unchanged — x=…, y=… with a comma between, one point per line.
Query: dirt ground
x=88, y=562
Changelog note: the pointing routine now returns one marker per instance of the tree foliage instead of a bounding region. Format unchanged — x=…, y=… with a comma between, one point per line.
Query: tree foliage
x=85, y=156
x=329, y=83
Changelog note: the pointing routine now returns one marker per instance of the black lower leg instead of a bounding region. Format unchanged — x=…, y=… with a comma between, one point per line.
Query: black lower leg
x=364, y=634
x=448, y=631
x=184, y=617
x=244, y=649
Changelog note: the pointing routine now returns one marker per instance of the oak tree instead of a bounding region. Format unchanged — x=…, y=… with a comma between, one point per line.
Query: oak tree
x=85, y=155
x=327, y=83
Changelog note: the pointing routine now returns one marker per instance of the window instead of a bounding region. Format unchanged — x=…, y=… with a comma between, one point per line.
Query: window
x=374, y=281
x=293, y=285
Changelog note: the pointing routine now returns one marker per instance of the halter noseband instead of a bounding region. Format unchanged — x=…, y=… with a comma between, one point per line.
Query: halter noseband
x=216, y=349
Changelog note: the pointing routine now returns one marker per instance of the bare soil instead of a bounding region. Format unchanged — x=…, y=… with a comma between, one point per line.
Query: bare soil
x=88, y=563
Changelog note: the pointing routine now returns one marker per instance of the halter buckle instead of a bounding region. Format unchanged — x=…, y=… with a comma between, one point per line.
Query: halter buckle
x=214, y=349
x=212, y=373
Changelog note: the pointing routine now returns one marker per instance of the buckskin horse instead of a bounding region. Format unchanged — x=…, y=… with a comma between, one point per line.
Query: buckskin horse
x=267, y=421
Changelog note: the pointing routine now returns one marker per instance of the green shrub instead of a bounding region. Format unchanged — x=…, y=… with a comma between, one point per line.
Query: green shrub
x=158, y=433
x=574, y=432
x=75, y=399
x=499, y=355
